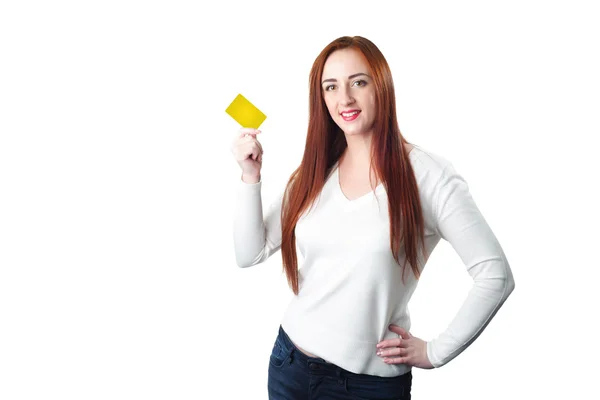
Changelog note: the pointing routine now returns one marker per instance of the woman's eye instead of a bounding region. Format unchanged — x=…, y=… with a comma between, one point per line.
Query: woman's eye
x=362, y=83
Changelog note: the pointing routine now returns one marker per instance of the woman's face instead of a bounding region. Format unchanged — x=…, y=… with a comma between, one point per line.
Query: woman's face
x=347, y=87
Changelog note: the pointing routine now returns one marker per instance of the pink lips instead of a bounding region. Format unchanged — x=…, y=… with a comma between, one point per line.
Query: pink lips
x=353, y=117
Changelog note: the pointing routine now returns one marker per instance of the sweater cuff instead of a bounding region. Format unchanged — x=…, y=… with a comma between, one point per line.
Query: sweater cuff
x=246, y=184
x=432, y=359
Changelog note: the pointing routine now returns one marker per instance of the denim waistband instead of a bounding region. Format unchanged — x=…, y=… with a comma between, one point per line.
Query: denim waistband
x=320, y=366
x=289, y=346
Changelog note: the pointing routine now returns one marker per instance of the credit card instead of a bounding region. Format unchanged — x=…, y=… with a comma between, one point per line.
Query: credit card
x=245, y=113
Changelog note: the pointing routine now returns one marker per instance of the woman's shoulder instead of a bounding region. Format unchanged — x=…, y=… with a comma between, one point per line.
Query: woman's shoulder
x=427, y=162
x=429, y=169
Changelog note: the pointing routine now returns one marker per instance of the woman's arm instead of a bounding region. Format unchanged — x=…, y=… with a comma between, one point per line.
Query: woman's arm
x=460, y=222
x=255, y=239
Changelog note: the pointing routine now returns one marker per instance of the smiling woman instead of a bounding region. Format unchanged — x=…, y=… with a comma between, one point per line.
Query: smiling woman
x=366, y=209
x=350, y=97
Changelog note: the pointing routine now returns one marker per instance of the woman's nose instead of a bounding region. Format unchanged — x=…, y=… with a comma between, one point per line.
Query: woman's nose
x=345, y=97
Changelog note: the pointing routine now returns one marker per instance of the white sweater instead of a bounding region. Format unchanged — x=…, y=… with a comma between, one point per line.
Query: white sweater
x=350, y=287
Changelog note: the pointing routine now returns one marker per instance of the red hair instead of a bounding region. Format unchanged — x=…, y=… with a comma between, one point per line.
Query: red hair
x=326, y=142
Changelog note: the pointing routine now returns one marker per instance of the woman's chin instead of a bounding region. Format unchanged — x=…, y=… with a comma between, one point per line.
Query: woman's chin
x=353, y=132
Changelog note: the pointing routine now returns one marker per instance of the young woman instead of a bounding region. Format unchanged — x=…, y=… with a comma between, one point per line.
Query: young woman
x=366, y=209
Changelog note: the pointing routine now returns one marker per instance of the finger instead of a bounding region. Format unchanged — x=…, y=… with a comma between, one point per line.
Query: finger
x=252, y=138
x=384, y=344
x=396, y=351
x=253, y=148
x=396, y=360
x=247, y=131
x=249, y=136
x=403, y=333
x=395, y=342
x=258, y=152
x=399, y=331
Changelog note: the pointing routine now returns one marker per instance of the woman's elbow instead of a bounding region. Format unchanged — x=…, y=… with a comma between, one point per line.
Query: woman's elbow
x=509, y=283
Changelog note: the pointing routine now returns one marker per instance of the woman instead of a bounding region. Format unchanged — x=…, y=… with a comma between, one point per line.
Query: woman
x=366, y=209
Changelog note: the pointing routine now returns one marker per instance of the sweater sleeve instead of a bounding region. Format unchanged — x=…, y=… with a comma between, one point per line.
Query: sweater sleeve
x=255, y=238
x=459, y=222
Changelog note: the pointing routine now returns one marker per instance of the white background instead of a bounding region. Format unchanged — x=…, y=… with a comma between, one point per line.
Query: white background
x=117, y=272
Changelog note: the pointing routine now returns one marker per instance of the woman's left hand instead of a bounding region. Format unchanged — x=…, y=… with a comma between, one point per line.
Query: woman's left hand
x=405, y=349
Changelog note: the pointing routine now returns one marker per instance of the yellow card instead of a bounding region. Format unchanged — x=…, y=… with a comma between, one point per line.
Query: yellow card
x=245, y=113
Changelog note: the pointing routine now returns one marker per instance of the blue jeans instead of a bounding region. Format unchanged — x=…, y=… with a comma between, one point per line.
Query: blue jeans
x=294, y=375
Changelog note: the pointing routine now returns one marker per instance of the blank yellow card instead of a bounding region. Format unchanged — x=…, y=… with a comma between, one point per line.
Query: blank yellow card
x=245, y=113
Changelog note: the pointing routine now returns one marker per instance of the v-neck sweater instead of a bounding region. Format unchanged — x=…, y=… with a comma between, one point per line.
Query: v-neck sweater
x=350, y=286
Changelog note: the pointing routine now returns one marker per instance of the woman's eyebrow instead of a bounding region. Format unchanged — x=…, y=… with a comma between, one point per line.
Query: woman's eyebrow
x=350, y=77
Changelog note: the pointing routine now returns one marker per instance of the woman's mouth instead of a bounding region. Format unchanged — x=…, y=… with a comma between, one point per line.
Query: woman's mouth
x=350, y=116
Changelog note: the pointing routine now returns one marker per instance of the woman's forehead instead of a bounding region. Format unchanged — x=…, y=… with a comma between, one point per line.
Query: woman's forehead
x=343, y=63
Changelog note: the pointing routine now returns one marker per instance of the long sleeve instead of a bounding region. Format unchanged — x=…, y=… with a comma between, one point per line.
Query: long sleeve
x=255, y=239
x=460, y=222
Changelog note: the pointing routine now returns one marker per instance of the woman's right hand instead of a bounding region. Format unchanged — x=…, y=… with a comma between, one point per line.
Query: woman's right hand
x=247, y=151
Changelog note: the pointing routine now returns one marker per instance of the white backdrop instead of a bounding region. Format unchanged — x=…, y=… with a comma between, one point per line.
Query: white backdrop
x=117, y=272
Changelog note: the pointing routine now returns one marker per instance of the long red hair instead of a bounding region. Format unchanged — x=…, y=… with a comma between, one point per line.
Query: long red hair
x=326, y=142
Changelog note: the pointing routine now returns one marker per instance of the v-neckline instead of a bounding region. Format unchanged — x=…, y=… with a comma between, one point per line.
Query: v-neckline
x=341, y=192
x=338, y=185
